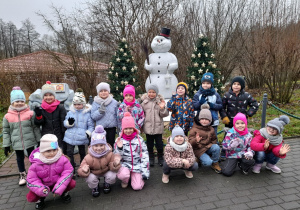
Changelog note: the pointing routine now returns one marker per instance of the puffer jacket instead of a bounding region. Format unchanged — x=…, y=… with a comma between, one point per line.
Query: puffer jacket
x=257, y=144
x=99, y=166
x=241, y=149
x=154, y=115
x=42, y=176
x=208, y=138
x=19, y=130
x=136, y=112
x=134, y=155
x=76, y=133
x=174, y=158
x=182, y=112
x=53, y=123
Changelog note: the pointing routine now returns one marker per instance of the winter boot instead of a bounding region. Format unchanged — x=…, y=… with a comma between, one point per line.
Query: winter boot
x=165, y=178
x=40, y=203
x=273, y=168
x=66, y=197
x=256, y=168
x=22, y=179
x=188, y=174
x=160, y=157
x=106, y=188
x=95, y=191
x=215, y=166
x=124, y=185
x=243, y=171
x=151, y=159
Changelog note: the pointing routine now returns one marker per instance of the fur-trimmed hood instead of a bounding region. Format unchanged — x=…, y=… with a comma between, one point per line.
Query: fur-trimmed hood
x=144, y=98
x=86, y=109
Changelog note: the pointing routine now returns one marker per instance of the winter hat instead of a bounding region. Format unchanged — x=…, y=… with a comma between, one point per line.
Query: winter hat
x=183, y=84
x=177, y=131
x=152, y=87
x=48, y=142
x=205, y=112
x=98, y=135
x=79, y=97
x=240, y=116
x=103, y=86
x=278, y=123
x=17, y=95
x=239, y=80
x=48, y=88
x=208, y=77
x=129, y=89
x=128, y=122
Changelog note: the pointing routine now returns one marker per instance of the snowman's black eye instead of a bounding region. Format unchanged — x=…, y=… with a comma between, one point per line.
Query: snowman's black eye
x=161, y=40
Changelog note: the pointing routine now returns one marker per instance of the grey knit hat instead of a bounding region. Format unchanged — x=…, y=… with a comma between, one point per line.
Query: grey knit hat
x=278, y=123
x=48, y=88
x=152, y=87
x=177, y=131
x=103, y=86
x=205, y=112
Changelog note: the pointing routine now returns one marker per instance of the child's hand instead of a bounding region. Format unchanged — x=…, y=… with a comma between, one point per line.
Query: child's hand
x=162, y=104
x=266, y=144
x=235, y=143
x=71, y=120
x=85, y=168
x=186, y=163
x=116, y=162
x=198, y=138
x=119, y=142
x=55, y=195
x=284, y=149
x=128, y=109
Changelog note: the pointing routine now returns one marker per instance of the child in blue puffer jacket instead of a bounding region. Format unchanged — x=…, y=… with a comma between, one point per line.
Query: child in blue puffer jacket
x=79, y=126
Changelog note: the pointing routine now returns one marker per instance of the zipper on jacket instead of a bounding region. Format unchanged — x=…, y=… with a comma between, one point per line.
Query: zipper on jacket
x=21, y=131
x=131, y=156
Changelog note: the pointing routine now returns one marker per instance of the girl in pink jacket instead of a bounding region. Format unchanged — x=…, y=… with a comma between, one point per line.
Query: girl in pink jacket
x=50, y=171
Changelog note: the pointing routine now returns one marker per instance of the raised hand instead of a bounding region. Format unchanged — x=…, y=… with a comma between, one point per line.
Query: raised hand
x=85, y=168
x=119, y=142
x=116, y=162
x=162, y=104
x=284, y=149
x=38, y=111
x=198, y=138
x=266, y=144
x=71, y=120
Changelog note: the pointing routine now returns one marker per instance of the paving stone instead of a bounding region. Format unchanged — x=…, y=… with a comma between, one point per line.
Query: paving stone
x=209, y=199
x=243, y=199
x=223, y=203
x=272, y=208
x=241, y=206
x=256, y=204
x=174, y=205
x=290, y=205
x=206, y=206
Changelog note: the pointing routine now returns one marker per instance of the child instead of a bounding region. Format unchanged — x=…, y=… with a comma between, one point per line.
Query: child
x=237, y=100
x=204, y=140
x=178, y=155
x=182, y=109
x=268, y=145
x=208, y=95
x=133, y=150
x=104, y=111
x=99, y=162
x=79, y=126
x=237, y=146
x=19, y=130
x=51, y=115
x=130, y=105
x=50, y=171
x=155, y=110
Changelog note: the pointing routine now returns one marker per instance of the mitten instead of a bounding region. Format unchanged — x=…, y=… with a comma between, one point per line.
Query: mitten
x=226, y=120
x=71, y=120
x=38, y=111
x=6, y=151
x=249, y=155
x=211, y=105
x=202, y=100
x=235, y=143
x=102, y=109
x=144, y=177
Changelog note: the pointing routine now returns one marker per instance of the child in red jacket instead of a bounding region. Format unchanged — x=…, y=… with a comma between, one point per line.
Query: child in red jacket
x=268, y=145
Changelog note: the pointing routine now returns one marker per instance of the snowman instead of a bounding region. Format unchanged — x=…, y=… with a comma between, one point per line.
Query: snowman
x=162, y=64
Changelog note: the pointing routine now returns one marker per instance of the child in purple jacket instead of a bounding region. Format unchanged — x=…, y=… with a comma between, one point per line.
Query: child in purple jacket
x=50, y=171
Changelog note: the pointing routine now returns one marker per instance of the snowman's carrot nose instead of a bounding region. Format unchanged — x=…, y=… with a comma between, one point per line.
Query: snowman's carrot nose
x=158, y=41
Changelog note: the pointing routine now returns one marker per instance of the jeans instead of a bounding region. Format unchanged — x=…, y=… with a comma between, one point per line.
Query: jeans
x=214, y=152
x=261, y=156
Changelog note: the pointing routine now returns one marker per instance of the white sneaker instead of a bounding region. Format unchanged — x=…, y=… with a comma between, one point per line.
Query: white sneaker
x=22, y=179
x=124, y=185
x=188, y=174
x=165, y=178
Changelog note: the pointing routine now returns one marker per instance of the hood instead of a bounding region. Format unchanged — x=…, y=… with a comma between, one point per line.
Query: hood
x=34, y=156
x=146, y=99
x=86, y=109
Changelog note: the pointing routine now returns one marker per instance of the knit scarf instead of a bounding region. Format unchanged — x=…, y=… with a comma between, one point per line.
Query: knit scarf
x=242, y=133
x=50, y=107
x=101, y=101
x=129, y=103
x=99, y=155
x=18, y=109
x=51, y=160
x=274, y=140
x=208, y=92
x=129, y=137
x=178, y=147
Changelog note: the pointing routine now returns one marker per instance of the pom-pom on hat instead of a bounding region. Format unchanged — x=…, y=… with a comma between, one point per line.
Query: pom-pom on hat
x=129, y=89
x=17, y=95
x=152, y=87
x=48, y=142
x=79, y=97
x=177, y=131
x=278, y=123
x=103, y=86
x=239, y=80
x=183, y=84
x=128, y=122
x=205, y=112
x=48, y=88
x=208, y=77
x=98, y=136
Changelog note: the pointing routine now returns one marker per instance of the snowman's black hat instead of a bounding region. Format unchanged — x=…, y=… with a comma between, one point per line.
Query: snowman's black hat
x=165, y=32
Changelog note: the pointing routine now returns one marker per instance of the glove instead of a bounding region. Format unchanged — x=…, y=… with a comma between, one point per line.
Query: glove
x=6, y=151
x=235, y=143
x=211, y=105
x=102, y=109
x=249, y=155
x=38, y=111
x=226, y=120
x=71, y=120
x=38, y=144
x=144, y=177
x=202, y=100
x=88, y=136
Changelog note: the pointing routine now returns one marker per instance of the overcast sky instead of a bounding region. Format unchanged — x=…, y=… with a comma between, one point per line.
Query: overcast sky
x=17, y=11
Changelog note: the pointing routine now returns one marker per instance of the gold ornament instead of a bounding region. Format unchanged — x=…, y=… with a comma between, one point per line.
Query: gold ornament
x=128, y=60
x=124, y=68
x=206, y=54
x=117, y=88
x=214, y=66
x=204, y=44
x=126, y=83
x=132, y=69
x=123, y=40
x=135, y=67
x=196, y=64
x=193, y=77
x=133, y=79
x=121, y=93
x=118, y=59
x=110, y=72
x=125, y=54
x=122, y=82
x=200, y=71
x=125, y=45
x=193, y=55
x=203, y=64
x=199, y=55
x=219, y=80
x=201, y=36
x=116, y=74
x=121, y=50
x=212, y=55
x=195, y=83
x=210, y=62
x=112, y=68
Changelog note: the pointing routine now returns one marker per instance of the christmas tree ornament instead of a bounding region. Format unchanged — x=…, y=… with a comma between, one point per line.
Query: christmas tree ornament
x=126, y=83
x=193, y=56
x=206, y=55
x=133, y=79
x=116, y=74
x=196, y=64
x=212, y=55
x=125, y=54
x=124, y=68
x=201, y=36
x=121, y=50
x=125, y=45
x=128, y=60
x=123, y=40
x=210, y=63
x=135, y=67
x=193, y=77
x=200, y=71
x=204, y=44
x=199, y=55
x=118, y=59
x=214, y=66
x=203, y=64
x=122, y=82
x=132, y=69
x=112, y=68
x=117, y=88
x=110, y=72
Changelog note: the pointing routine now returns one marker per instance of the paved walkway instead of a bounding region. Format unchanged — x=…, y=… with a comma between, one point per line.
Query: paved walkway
x=207, y=190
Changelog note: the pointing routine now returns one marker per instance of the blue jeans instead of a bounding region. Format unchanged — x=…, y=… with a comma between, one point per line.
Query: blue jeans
x=261, y=156
x=211, y=155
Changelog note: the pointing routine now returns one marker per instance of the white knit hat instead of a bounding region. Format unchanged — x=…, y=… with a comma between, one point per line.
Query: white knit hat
x=48, y=142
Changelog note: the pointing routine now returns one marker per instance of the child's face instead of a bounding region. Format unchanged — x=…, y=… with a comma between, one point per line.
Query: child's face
x=78, y=106
x=236, y=87
x=103, y=94
x=128, y=131
x=206, y=85
x=178, y=140
x=240, y=125
x=204, y=122
x=151, y=94
x=128, y=97
x=181, y=91
x=50, y=153
x=272, y=131
x=18, y=104
x=98, y=148
x=49, y=98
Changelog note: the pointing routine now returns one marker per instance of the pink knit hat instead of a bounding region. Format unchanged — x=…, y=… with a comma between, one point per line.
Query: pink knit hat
x=129, y=89
x=128, y=122
x=240, y=116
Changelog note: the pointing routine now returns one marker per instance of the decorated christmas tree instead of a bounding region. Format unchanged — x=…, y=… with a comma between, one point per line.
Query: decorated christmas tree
x=202, y=61
x=122, y=71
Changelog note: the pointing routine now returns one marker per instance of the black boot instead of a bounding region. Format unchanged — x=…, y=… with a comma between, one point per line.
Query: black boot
x=106, y=188
x=66, y=197
x=40, y=203
x=160, y=157
x=151, y=159
x=96, y=191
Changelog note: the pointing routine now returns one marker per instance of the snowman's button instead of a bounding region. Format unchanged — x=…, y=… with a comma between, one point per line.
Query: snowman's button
x=157, y=76
x=158, y=70
x=158, y=63
x=158, y=56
